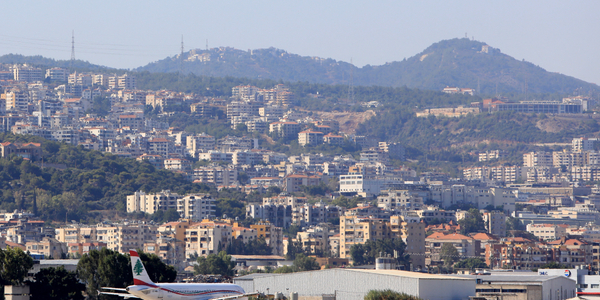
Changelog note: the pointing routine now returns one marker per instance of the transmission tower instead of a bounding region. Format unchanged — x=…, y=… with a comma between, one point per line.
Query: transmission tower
x=181, y=61
x=351, y=83
x=72, y=50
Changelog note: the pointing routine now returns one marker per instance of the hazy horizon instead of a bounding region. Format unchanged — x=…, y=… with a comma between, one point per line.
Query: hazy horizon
x=552, y=34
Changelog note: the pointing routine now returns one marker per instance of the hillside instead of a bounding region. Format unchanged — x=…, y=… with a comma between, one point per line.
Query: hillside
x=456, y=62
x=44, y=62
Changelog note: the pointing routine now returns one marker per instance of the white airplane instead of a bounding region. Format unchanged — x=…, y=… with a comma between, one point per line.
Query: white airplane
x=144, y=288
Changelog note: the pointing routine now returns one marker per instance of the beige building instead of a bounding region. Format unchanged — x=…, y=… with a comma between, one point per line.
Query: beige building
x=548, y=232
x=310, y=137
x=272, y=234
x=284, y=129
x=354, y=230
x=538, y=159
x=125, y=237
x=207, y=237
x=49, y=247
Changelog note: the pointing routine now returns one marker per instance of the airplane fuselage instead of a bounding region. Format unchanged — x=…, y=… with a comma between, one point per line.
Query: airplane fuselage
x=184, y=291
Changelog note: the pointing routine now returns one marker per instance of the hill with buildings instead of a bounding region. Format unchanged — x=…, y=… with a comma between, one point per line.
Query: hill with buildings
x=456, y=62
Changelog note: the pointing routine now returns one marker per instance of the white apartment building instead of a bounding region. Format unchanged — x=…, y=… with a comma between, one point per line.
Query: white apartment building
x=196, y=207
x=220, y=176
x=547, y=232
x=151, y=203
x=583, y=144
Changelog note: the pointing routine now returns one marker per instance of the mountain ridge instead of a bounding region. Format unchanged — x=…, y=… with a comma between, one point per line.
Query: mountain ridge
x=455, y=62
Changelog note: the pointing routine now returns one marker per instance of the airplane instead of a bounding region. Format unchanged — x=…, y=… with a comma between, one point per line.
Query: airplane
x=144, y=288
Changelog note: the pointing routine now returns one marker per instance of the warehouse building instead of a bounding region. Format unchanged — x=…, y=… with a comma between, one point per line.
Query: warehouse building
x=354, y=284
x=523, y=286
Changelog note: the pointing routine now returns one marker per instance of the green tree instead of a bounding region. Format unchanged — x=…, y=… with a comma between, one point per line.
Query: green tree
x=449, y=254
x=14, y=265
x=104, y=267
x=56, y=284
x=471, y=263
x=294, y=248
x=157, y=270
x=363, y=254
x=305, y=263
x=553, y=265
x=389, y=295
x=215, y=264
x=514, y=224
x=472, y=222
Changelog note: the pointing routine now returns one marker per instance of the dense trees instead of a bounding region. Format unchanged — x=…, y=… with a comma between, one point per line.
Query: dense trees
x=100, y=268
x=107, y=268
x=449, y=254
x=157, y=270
x=301, y=263
x=364, y=254
x=252, y=247
x=389, y=295
x=473, y=222
x=215, y=264
x=14, y=265
x=471, y=263
x=56, y=284
x=74, y=181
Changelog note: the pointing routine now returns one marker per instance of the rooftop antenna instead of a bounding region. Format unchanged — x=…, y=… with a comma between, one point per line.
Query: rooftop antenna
x=351, y=83
x=206, y=44
x=72, y=50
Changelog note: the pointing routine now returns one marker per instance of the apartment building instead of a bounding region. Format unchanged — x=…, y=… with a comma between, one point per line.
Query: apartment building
x=76, y=250
x=295, y=182
x=412, y=232
x=537, y=159
x=125, y=237
x=151, y=203
x=196, y=207
x=355, y=230
x=547, y=232
x=219, y=176
x=466, y=246
x=57, y=74
x=285, y=129
x=399, y=200
x=49, y=247
x=199, y=143
x=495, y=223
x=272, y=234
x=315, y=239
x=207, y=237
x=310, y=137
x=27, y=73
x=583, y=144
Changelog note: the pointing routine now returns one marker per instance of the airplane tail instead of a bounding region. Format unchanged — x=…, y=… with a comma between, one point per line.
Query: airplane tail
x=140, y=276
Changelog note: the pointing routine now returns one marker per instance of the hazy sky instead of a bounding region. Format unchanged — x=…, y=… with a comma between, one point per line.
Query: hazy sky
x=560, y=36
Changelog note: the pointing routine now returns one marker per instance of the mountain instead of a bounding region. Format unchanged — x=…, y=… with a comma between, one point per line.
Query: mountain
x=456, y=62
x=43, y=62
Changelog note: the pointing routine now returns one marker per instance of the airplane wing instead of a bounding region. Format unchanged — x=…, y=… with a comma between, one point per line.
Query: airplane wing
x=236, y=297
x=114, y=289
x=125, y=295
